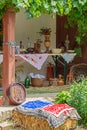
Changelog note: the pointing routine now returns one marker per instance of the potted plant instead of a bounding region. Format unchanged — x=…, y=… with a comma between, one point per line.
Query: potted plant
x=75, y=10
x=45, y=31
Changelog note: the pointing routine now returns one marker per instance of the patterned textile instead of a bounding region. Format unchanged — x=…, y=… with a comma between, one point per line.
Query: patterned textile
x=36, y=60
x=57, y=109
x=36, y=104
x=55, y=114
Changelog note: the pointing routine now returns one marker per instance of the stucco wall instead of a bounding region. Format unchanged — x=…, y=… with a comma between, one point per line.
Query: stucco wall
x=25, y=28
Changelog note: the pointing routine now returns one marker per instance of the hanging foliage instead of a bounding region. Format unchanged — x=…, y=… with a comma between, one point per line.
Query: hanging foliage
x=76, y=10
x=78, y=17
x=34, y=8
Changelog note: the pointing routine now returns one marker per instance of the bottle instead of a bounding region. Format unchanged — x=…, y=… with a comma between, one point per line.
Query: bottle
x=67, y=42
x=27, y=82
x=50, y=71
x=70, y=78
x=21, y=45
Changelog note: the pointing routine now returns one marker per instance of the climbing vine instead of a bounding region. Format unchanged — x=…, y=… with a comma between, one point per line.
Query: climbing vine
x=76, y=11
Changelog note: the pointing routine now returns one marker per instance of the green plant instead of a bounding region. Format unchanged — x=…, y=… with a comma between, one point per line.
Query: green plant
x=5, y=4
x=78, y=51
x=76, y=10
x=78, y=99
x=45, y=31
x=62, y=97
x=77, y=17
x=34, y=8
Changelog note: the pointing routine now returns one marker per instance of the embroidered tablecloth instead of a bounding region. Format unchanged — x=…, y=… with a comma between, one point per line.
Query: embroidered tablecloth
x=36, y=60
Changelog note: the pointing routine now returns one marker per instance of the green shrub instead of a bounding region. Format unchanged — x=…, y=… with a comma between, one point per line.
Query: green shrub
x=77, y=98
x=62, y=97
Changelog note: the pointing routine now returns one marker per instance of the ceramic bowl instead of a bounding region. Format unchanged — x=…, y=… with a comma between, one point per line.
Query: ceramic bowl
x=56, y=50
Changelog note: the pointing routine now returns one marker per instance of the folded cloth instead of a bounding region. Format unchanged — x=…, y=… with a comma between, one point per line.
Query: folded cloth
x=36, y=60
x=55, y=114
x=58, y=113
x=35, y=104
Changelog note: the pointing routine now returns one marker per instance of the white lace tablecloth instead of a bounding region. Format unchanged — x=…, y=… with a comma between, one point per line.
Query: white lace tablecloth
x=37, y=60
x=68, y=57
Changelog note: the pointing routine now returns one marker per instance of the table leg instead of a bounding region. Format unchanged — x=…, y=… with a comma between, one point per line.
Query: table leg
x=56, y=60
x=65, y=64
x=55, y=67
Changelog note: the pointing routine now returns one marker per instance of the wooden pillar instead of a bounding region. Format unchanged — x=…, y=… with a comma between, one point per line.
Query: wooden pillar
x=8, y=51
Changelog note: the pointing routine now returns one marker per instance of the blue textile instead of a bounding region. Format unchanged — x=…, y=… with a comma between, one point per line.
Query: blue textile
x=36, y=104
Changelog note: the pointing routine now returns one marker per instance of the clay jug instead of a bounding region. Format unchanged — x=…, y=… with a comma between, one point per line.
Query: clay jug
x=60, y=80
x=70, y=78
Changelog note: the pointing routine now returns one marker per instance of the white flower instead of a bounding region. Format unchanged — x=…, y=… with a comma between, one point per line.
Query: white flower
x=46, y=6
x=53, y=3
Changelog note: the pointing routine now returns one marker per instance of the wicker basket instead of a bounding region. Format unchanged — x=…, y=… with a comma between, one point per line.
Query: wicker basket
x=79, y=70
x=37, y=82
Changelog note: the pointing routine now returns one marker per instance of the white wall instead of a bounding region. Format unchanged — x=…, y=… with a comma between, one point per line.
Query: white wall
x=28, y=28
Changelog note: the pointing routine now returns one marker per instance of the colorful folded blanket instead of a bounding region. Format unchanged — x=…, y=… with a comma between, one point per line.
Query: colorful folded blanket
x=55, y=114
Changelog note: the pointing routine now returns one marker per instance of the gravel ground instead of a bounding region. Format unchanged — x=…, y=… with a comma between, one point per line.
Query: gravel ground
x=41, y=96
x=45, y=97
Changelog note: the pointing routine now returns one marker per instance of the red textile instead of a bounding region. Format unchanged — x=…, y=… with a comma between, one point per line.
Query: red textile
x=57, y=109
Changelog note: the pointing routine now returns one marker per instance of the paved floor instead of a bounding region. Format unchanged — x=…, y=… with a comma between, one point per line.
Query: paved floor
x=43, y=93
x=44, y=96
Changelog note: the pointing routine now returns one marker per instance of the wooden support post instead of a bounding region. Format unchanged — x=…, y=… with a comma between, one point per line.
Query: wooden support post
x=8, y=51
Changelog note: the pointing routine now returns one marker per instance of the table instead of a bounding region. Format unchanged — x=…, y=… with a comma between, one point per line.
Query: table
x=37, y=60
x=41, y=58
x=68, y=57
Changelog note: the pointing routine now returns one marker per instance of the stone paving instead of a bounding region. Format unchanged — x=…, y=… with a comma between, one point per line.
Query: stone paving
x=5, y=111
x=8, y=124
